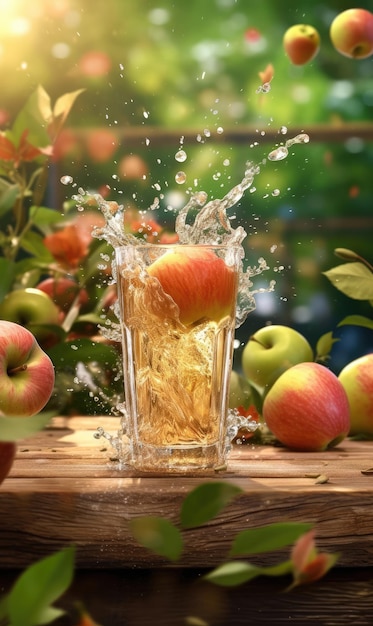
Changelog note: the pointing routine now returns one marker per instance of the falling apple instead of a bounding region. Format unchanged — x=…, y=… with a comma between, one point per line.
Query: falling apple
x=351, y=33
x=301, y=43
x=357, y=380
x=26, y=372
x=198, y=281
x=270, y=351
x=307, y=408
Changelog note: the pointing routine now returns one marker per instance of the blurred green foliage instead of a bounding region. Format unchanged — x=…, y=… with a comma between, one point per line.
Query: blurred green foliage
x=193, y=67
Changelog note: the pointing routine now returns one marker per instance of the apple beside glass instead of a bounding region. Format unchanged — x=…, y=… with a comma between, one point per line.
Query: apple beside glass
x=270, y=351
x=307, y=408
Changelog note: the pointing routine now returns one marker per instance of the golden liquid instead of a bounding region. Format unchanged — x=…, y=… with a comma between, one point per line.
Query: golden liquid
x=176, y=377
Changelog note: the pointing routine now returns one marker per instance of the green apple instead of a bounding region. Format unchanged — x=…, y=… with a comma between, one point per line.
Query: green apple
x=33, y=309
x=357, y=380
x=307, y=408
x=270, y=351
x=351, y=33
x=301, y=43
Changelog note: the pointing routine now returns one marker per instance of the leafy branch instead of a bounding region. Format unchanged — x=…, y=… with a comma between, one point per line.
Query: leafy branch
x=355, y=280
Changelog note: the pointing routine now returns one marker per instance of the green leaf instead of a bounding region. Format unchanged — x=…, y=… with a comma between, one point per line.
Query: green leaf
x=324, y=346
x=233, y=573
x=83, y=350
x=267, y=538
x=357, y=320
x=15, y=428
x=8, y=195
x=43, y=216
x=33, y=243
x=158, y=535
x=206, y=501
x=355, y=280
x=40, y=585
x=34, y=117
x=62, y=108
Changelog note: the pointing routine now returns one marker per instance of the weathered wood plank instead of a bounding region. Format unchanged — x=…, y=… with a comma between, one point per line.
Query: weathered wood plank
x=174, y=597
x=63, y=489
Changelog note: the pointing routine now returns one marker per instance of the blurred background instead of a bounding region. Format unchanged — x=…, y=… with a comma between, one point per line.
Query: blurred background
x=161, y=75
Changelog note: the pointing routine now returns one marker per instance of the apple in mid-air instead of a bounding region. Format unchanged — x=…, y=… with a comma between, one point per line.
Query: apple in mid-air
x=357, y=380
x=270, y=351
x=201, y=284
x=26, y=372
x=301, y=43
x=351, y=33
x=307, y=408
x=7, y=454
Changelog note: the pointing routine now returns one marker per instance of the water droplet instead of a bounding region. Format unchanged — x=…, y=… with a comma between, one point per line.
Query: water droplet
x=181, y=156
x=279, y=154
x=283, y=130
x=66, y=180
x=226, y=162
x=275, y=192
x=206, y=132
x=220, y=130
x=180, y=178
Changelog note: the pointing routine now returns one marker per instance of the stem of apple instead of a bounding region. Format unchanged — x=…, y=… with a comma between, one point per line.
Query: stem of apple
x=252, y=338
x=19, y=368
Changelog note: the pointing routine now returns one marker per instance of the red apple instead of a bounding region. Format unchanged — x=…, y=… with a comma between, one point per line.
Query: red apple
x=357, y=380
x=307, y=408
x=26, y=372
x=351, y=33
x=7, y=454
x=198, y=281
x=63, y=291
x=301, y=43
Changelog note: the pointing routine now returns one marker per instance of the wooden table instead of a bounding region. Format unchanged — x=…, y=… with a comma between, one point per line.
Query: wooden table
x=64, y=489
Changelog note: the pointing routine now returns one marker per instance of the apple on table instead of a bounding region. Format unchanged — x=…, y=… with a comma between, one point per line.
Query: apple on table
x=307, y=408
x=351, y=33
x=270, y=351
x=357, y=380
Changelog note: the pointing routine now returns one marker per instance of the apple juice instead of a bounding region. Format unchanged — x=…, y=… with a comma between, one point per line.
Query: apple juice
x=178, y=311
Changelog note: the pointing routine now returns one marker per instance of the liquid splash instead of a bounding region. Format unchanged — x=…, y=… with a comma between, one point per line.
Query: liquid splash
x=199, y=222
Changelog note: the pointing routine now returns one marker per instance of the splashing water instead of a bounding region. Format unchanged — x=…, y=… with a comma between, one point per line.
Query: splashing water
x=198, y=222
